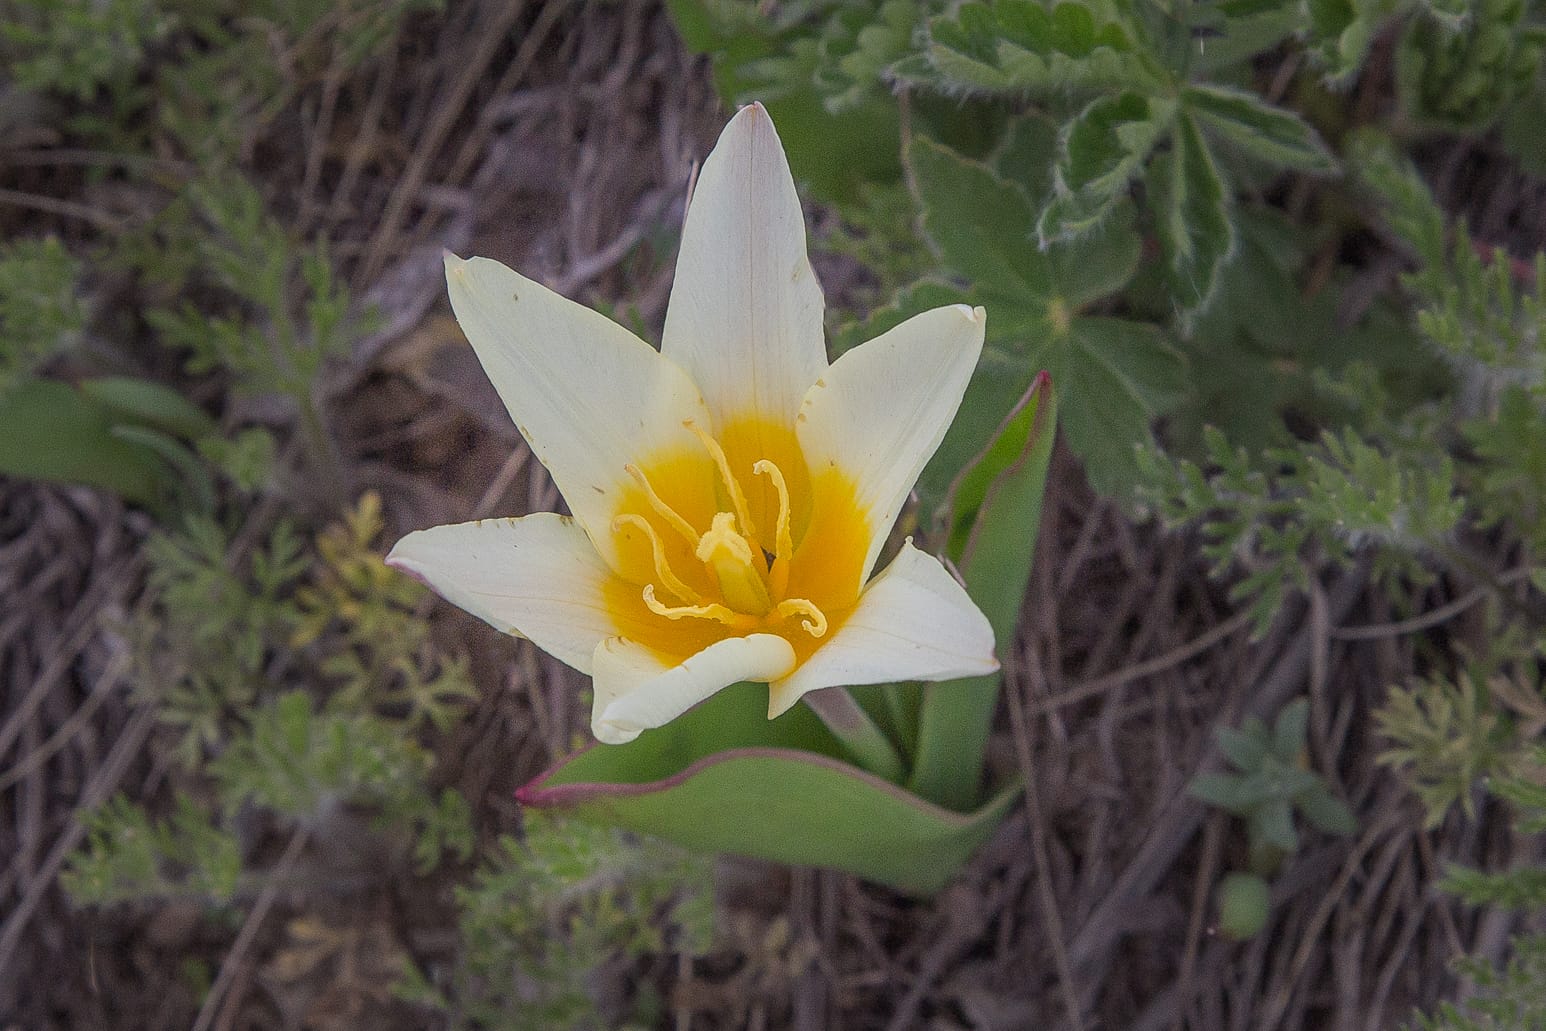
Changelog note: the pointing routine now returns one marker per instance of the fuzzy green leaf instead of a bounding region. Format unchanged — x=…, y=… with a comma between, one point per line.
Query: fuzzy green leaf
x=1271, y=134
x=1104, y=149
x=1116, y=377
x=1193, y=217
x=1019, y=46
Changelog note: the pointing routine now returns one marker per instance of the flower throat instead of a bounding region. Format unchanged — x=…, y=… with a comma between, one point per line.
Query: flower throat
x=752, y=582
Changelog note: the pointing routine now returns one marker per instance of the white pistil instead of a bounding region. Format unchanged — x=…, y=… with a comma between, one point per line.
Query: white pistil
x=736, y=565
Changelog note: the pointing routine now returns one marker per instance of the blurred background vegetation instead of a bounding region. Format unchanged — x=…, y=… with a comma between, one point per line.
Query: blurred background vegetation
x=1278, y=690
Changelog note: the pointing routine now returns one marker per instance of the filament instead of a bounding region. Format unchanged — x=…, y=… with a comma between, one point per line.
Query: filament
x=716, y=612
x=663, y=571
x=662, y=509
x=732, y=485
x=812, y=618
x=783, y=544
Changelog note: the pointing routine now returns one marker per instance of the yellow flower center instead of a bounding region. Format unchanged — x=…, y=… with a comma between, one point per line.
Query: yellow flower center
x=737, y=536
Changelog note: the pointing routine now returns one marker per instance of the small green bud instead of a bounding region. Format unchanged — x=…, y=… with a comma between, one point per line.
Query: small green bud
x=1244, y=901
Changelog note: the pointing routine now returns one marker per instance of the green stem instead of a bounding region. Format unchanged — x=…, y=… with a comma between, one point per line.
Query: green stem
x=860, y=737
x=326, y=464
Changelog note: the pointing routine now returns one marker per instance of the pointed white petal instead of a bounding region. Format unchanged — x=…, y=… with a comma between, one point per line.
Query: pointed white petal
x=537, y=576
x=881, y=410
x=745, y=313
x=588, y=396
x=635, y=690
x=913, y=622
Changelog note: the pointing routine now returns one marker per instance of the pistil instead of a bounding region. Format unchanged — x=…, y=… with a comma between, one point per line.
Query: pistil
x=736, y=565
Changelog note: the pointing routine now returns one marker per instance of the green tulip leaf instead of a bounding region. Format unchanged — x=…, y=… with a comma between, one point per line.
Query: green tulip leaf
x=725, y=779
x=145, y=402
x=51, y=431
x=993, y=516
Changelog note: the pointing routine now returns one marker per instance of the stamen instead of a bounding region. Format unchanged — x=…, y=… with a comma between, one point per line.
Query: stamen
x=732, y=485
x=716, y=612
x=813, y=619
x=783, y=546
x=662, y=509
x=663, y=571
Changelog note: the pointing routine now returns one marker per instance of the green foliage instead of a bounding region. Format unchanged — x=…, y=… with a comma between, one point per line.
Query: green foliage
x=301, y=764
x=1033, y=211
x=1323, y=502
x=804, y=61
x=382, y=655
x=1021, y=46
x=1450, y=735
x=1113, y=375
x=1520, y=783
x=129, y=856
x=1140, y=66
x=548, y=910
x=287, y=314
x=41, y=312
x=878, y=229
x=51, y=431
x=846, y=54
x=1270, y=784
x=204, y=642
x=201, y=76
x=218, y=635
x=1462, y=73
x=1507, y=999
x=76, y=47
x=1341, y=32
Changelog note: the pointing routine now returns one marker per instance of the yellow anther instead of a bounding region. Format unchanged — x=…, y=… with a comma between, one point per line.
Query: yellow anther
x=662, y=509
x=736, y=566
x=783, y=546
x=812, y=618
x=716, y=612
x=663, y=571
x=732, y=485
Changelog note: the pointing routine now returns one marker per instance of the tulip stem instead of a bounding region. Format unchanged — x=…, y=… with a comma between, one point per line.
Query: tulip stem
x=865, y=743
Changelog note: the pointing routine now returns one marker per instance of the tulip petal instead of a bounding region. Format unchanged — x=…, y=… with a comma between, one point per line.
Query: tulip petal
x=745, y=316
x=537, y=576
x=588, y=396
x=882, y=409
x=636, y=690
x=913, y=622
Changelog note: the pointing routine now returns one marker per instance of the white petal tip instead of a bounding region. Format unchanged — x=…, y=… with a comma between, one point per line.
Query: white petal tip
x=452, y=262
x=612, y=734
